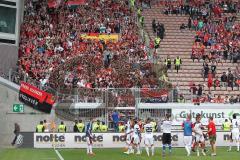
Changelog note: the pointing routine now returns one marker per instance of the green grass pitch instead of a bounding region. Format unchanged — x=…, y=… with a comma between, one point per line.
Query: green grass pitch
x=109, y=154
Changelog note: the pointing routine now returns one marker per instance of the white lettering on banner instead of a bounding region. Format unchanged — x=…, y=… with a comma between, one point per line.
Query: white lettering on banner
x=109, y=140
x=219, y=115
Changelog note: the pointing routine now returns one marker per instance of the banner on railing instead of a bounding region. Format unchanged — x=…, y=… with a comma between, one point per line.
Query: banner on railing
x=153, y=95
x=76, y=2
x=105, y=37
x=105, y=140
x=36, y=98
x=219, y=115
x=54, y=3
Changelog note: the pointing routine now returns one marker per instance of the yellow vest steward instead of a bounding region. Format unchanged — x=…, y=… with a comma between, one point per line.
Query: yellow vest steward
x=103, y=128
x=61, y=128
x=178, y=61
x=80, y=127
x=39, y=128
x=96, y=127
x=121, y=128
x=154, y=126
x=157, y=41
x=226, y=126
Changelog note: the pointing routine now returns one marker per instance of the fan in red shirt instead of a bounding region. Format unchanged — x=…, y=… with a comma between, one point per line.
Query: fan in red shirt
x=212, y=135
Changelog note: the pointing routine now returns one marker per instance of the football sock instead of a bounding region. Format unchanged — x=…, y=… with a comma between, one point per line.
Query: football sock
x=187, y=149
x=147, y=150
x=164, y=148
x=170, y=148
x=90, y=149
x=152, y=148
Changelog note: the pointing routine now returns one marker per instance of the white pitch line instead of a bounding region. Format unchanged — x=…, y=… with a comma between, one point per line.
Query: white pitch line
x=59, y=155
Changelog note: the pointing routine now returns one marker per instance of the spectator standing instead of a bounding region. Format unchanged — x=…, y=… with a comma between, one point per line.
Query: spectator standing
x=224, y=79
x=16, y=132
x=216, y=83
x=193, y=89
x=210, y=81
x=237, y=99
x=168, y=62
x=154, y=25
x=115, y=119
x=231, y=100
x=230, y=79
x=206, y=71
x=200, y=90
x=177, y=62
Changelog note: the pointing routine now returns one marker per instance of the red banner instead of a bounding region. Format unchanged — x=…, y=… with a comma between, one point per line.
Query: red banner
x=34, y=92
x=146, y=92
x=54, y=3
x=76, y=2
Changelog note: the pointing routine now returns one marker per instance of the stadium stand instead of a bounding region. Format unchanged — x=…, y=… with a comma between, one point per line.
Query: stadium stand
x=203, y=24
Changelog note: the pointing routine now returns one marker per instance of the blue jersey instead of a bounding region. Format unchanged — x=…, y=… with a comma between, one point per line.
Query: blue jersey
x=89, y=130
x=187, y=127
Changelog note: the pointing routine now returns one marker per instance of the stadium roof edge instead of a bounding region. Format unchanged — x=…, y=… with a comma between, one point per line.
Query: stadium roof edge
x=9, y=84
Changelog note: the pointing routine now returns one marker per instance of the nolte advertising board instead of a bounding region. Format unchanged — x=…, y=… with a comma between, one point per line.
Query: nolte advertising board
x=219, y=115
x=106, y=140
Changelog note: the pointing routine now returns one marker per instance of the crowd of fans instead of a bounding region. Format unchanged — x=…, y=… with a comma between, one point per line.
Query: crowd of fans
x=53, y=51
x=51, y=41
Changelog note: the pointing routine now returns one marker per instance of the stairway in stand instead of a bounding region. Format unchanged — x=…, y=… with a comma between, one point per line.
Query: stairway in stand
x=177, y=43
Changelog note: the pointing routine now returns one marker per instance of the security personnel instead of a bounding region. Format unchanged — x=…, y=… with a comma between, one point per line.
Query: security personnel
x=181, y=99
x=226, y=125
x=103, y=127
x=75, y=128
x=139, y=13
x=80, y=126
x=168, y=62
x=157, y=42
x=177, y=63
x=121, y=128
x=132, y=3
x=62, y=128
x=141, y=20
x=40, y=127
x=96, y=126
x=154, y=124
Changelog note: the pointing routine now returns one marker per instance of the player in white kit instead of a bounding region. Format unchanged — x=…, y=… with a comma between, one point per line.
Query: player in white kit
x=198, y=130
x=166, y=137
x=148, y=137
x=136, y=137
x=235, y=132
x=128, y=134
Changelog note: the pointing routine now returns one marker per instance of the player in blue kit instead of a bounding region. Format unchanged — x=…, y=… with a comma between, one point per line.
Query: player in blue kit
x=89, y=138
x=187, y=129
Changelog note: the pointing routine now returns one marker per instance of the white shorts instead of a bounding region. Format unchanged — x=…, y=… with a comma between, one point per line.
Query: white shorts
x=135, y=139
x=148, y=141
x=89, y=140
x=199, y=138
x=235, y=134
x=187, y=140
x=128, y=139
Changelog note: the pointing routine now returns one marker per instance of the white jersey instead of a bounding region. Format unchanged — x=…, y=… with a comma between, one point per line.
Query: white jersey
x=136, y=130
x=198, y=128
x=167, y=126
x=148, y=129
x=235, y=124
x=128, y=127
